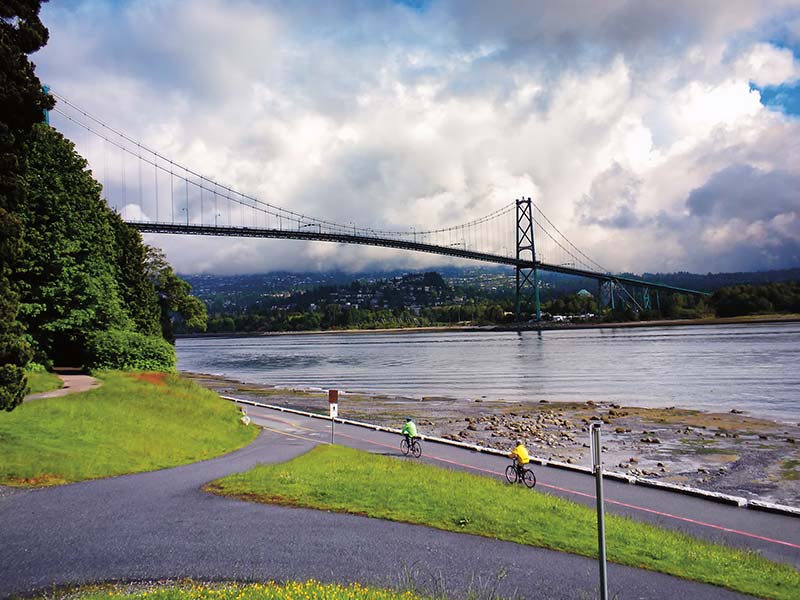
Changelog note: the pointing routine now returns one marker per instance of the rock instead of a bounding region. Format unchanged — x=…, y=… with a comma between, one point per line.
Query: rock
x=736, y=411
x=619, y=430
x=591, y=403
x=544, y=402
x=633, y=459
x=650, y=440
x=791, y=440
x=472, y=427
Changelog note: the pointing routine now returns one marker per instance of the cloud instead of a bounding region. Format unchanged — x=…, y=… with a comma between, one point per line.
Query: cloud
x=746, y=193
x=625, y=121
x=612, y=200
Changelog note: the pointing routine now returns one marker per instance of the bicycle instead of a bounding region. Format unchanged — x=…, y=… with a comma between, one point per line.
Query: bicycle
x=410, y=445
x=516, y=472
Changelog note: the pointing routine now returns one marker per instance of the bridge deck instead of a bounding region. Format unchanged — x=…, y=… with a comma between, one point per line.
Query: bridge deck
x=346, y=238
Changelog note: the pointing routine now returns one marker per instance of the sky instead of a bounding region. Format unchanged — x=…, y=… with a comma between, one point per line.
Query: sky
x=658, y=136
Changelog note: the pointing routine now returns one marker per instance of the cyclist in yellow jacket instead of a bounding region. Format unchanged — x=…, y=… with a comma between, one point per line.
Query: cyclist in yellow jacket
x=520, y=454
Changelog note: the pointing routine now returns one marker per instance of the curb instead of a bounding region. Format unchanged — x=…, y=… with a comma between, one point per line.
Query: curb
x=737, y=501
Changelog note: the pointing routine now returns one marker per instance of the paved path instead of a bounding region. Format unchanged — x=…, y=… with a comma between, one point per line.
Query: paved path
x=160, y=525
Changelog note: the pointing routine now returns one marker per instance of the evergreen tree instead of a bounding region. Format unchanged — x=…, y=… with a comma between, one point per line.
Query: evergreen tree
x=69, y=274
x=174, y=297
x=22, y=103
x=138, y=293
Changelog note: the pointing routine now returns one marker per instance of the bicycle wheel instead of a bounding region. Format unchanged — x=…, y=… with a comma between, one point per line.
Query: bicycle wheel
x=528, y=478
x=416, y=449
x=511, y=474
x=404, y=447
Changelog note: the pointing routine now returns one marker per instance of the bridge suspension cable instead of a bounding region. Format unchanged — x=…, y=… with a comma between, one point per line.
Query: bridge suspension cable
x=477, y=235
x=200, y=205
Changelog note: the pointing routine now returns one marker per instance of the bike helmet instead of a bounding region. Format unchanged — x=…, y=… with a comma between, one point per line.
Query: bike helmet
x=408, y=419
x=519, y=442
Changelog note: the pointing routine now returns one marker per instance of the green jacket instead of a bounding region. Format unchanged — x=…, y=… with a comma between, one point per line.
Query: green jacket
x=409, y=429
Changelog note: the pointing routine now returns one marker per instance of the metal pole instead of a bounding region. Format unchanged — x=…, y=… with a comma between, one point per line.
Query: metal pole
x=597, y=466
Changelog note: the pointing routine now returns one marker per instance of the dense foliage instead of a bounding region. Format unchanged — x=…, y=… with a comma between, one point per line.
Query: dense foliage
x=128, y=350
x=757, y=299
x=92, y=292
x=22, y=103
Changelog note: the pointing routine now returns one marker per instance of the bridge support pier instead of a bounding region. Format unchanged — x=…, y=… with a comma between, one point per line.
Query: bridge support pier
x=526, y=250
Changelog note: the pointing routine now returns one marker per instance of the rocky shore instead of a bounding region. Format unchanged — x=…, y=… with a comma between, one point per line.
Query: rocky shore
x=731, y=453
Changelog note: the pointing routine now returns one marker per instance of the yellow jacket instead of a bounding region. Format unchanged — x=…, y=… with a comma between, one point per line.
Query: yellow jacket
x=521, y=454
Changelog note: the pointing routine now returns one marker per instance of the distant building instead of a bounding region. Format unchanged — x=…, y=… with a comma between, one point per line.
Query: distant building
x=585, y=293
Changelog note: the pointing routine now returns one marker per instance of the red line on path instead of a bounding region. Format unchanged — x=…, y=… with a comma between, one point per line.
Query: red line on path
x=585, y=495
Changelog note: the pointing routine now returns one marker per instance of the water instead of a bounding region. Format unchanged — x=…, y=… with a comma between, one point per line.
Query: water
x=750, y=367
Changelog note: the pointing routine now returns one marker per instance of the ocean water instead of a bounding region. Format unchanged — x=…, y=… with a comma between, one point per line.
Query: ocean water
x=749, y=367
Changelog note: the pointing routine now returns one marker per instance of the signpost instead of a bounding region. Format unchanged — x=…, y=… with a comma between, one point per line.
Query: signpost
x=333, y=405
x=597, y=467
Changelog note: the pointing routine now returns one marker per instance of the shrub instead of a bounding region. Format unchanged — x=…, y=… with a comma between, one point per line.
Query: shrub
x=128, y=350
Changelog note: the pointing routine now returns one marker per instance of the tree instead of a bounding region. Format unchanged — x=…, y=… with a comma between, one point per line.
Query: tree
x=173, y=295
x=69, y=273
x=137, y=291
x=22, y=103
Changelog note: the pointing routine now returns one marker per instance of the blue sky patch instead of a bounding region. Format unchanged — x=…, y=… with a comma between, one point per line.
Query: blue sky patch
x=785, y=97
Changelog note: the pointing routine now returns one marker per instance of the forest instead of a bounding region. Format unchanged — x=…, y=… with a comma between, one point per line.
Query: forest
x=497, y=309
x=77, y=285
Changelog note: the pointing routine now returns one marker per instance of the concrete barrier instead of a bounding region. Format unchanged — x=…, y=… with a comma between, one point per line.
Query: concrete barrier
x=632, y=479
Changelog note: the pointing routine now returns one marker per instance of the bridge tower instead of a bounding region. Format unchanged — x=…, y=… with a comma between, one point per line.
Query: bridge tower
x=526, y=250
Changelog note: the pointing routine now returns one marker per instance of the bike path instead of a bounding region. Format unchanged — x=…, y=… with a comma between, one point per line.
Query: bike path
x=775, y=536
x=160, y=525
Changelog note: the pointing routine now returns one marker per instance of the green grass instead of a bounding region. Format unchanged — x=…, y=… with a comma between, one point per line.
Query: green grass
x=42, y=381
x=346, y=480
x=309, y=590
x=132, y=423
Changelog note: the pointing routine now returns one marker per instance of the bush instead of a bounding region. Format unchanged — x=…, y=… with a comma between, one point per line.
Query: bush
x=128, y=350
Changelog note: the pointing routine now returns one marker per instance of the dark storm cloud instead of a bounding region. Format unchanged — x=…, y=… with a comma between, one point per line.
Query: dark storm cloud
x=742, y=219
x=578, y=32
x=743, y=192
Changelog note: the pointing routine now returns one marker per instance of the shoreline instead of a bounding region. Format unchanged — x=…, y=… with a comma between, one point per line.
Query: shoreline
x=542, y=326
x=731, y=453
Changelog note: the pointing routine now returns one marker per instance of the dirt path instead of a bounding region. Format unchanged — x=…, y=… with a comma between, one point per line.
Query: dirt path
x=74, y=382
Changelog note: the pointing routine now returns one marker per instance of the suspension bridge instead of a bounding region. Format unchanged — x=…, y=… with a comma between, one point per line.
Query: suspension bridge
x=155, y=194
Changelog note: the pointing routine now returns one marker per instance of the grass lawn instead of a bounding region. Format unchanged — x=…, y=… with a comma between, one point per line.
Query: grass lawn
x=132, y=423
x=293, y=590
x=42, y=381
x=347, y=480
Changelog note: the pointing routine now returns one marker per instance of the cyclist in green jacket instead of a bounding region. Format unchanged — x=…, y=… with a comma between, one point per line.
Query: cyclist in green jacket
x=409, y=429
